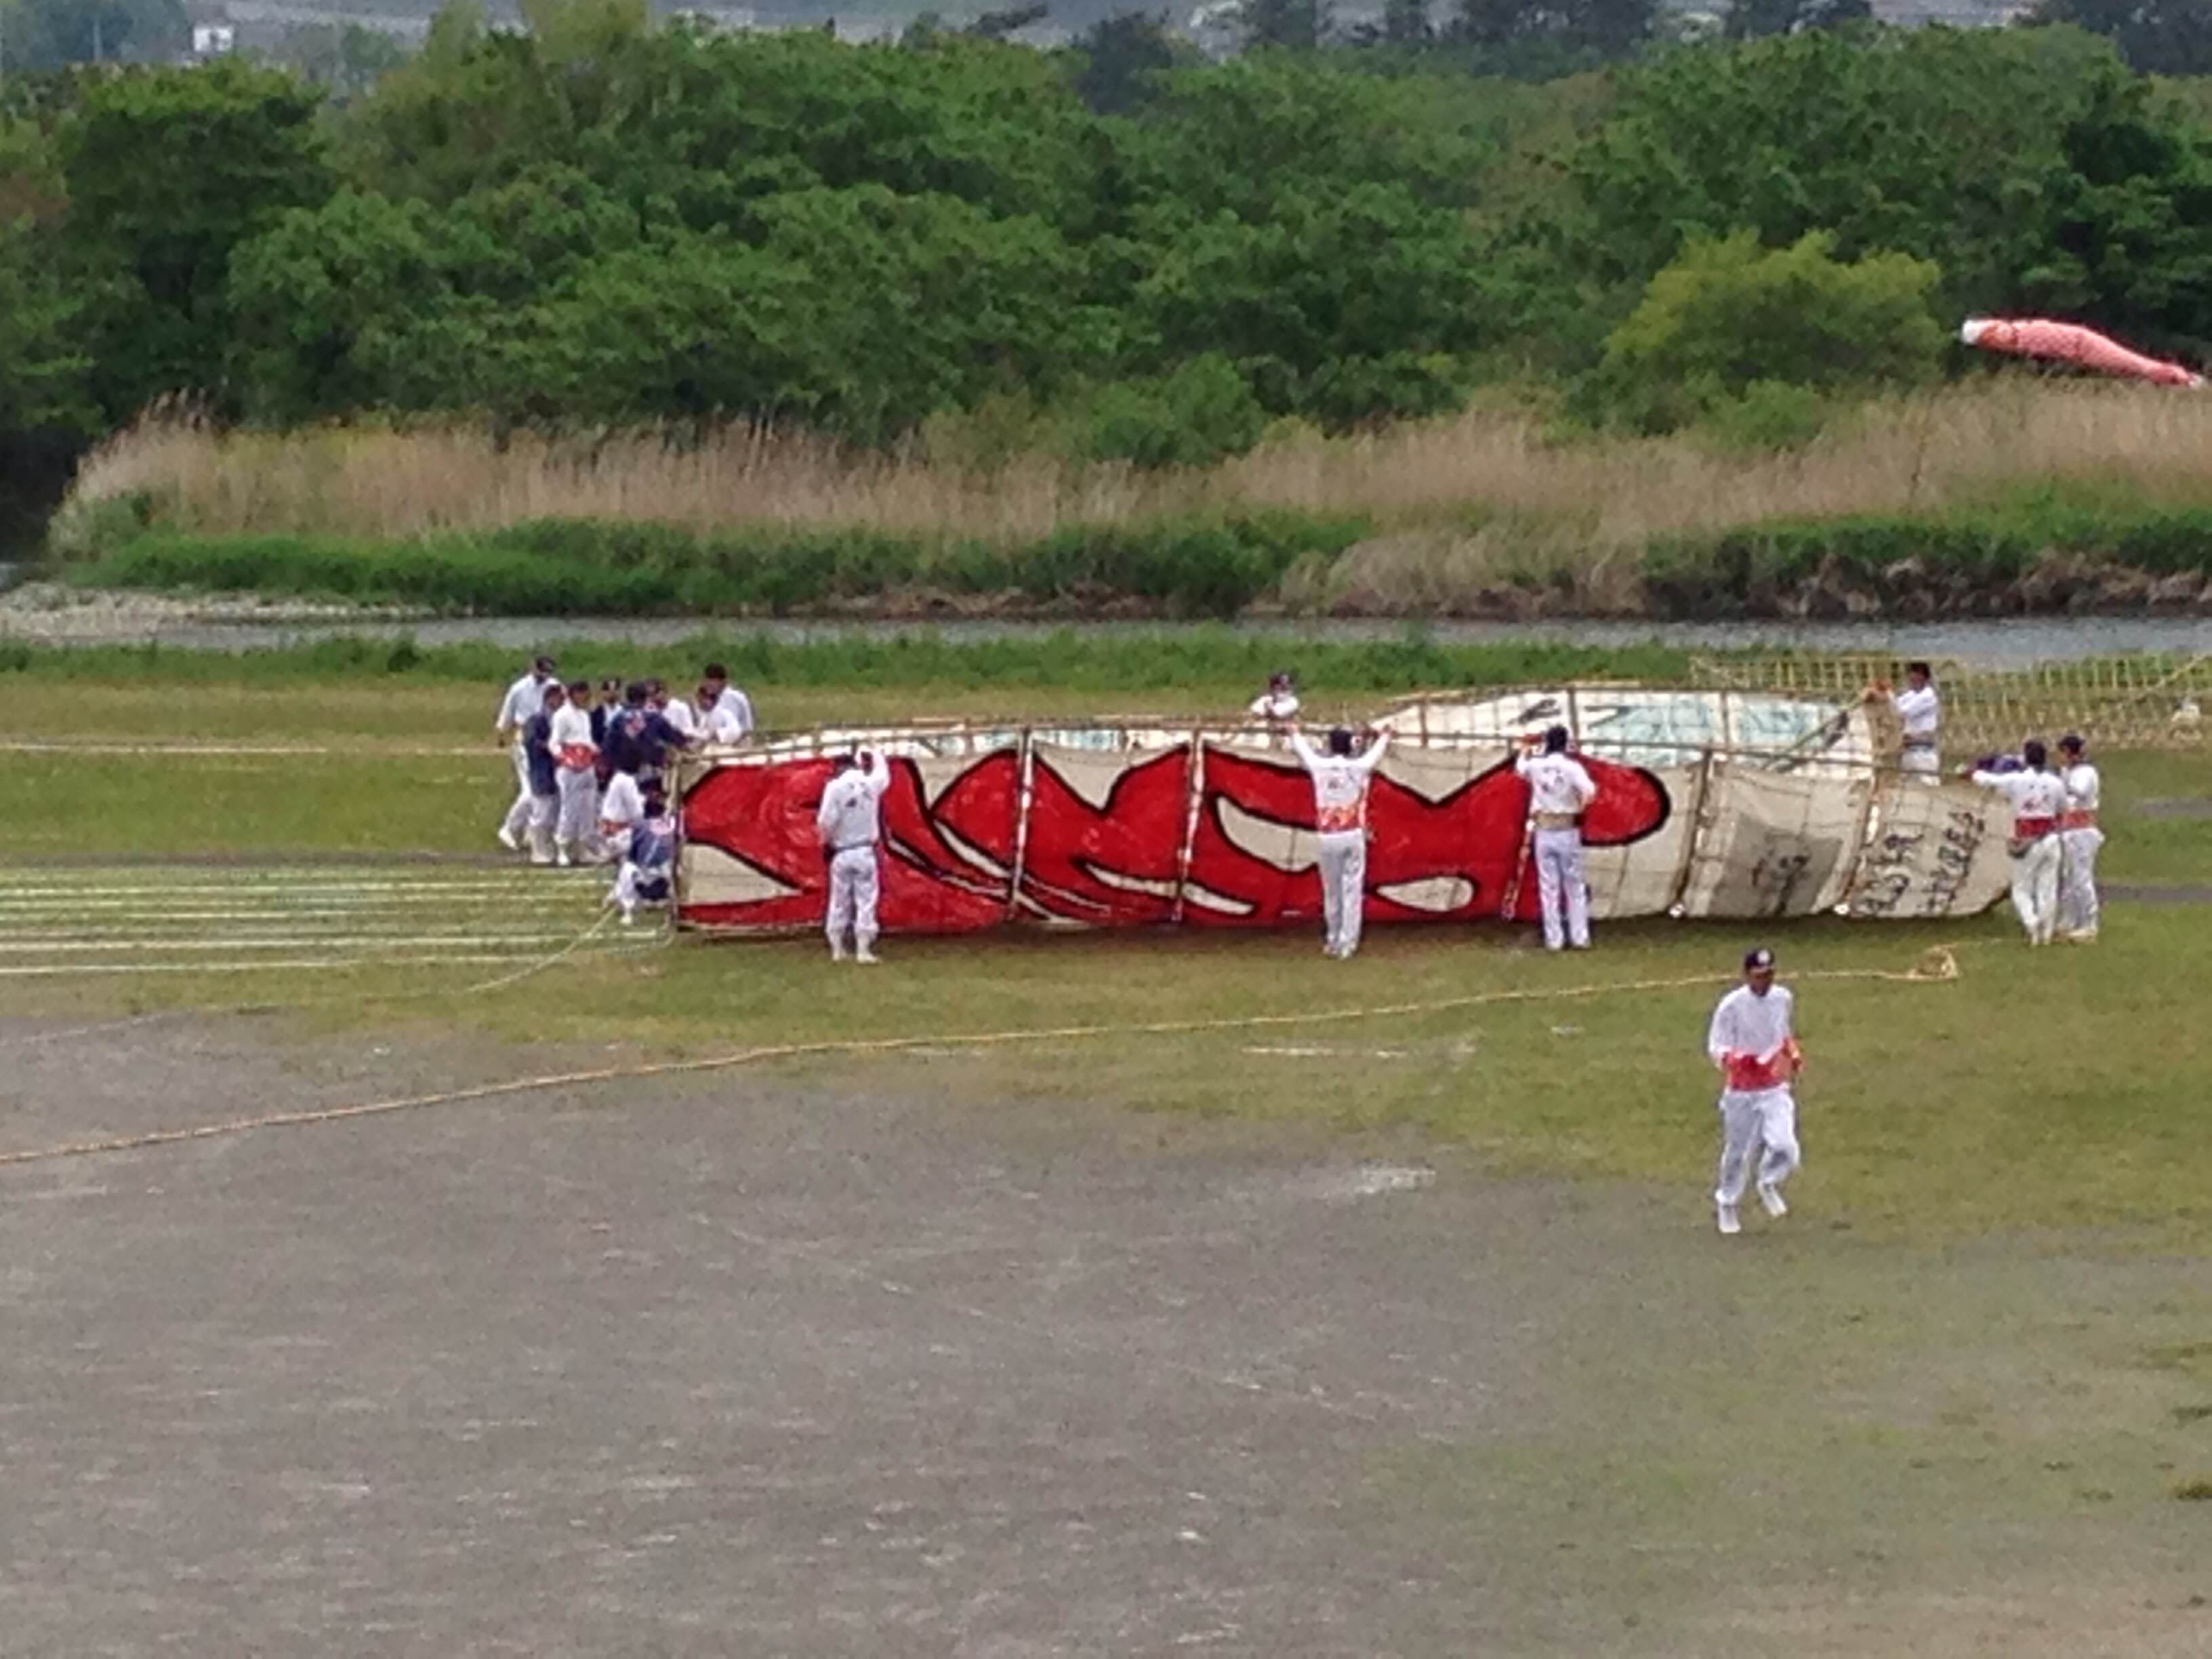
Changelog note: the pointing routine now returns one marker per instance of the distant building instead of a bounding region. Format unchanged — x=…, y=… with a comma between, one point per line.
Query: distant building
x=214, y=40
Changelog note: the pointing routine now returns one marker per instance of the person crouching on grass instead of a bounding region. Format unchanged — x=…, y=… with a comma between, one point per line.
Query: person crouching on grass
x=849, y=823
x=1753, y=1043
x=544, y=772
x=570, y=739
x=2038, y=795
x=1340, y=786
x=649, y=858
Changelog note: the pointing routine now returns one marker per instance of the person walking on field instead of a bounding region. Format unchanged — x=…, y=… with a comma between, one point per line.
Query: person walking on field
x=2079, y=838
x=2038, y=795
x=1560, y=790
x=545, y=774
x=849, y=824
x=523, y=699
x=1340, y=785
x=570, y=739
x=1754, y=1041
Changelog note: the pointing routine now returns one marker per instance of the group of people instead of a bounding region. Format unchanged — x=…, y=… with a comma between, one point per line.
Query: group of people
x=1560, y=790
x=590, y=767
x=591, y=788
x=2055, y=833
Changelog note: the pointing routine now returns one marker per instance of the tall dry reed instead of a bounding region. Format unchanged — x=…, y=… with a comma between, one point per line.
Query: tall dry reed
x=1482, y=476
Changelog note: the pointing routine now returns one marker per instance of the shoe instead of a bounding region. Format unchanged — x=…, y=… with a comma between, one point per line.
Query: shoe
x=629, y=918
x=561, y=859
x=1724, y=1214
x=836, y=953
x=1770, y=1199
x=541, y=858
x=865, y=954
x=506, y=840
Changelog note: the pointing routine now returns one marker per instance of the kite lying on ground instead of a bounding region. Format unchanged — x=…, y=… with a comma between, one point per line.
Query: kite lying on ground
x=2039, y=337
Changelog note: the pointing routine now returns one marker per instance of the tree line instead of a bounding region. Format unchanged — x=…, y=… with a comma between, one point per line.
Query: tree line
x=1116, y=251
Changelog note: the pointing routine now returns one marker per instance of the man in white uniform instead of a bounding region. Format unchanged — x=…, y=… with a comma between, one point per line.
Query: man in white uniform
x=2038, y=795
x=849, y=823
x=727, y=711
x=621, y=806
x=1920, y=712
x=1560, y=790
x=673, y=709
x=1280, y=701
x=525, y=699
x=1340, y=786
x=577, y=756
x=1752, y=1041
x=2079, y=838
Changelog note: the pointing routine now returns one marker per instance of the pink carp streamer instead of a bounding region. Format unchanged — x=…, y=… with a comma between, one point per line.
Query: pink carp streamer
x=2071, y=342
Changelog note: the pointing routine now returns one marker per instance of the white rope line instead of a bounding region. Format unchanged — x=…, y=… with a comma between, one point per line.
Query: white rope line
x=1936, y=965
x=245, y=888
x=428, y=941
x=188, y=747
x=320, y=964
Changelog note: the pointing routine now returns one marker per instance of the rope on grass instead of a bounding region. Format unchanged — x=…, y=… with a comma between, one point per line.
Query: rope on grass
x=1936, y=965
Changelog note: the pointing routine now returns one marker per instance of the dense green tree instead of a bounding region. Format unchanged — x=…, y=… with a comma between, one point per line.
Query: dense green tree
x=1728, y=315
x=1122, y=61
x=1952, y=146
x=167, y=172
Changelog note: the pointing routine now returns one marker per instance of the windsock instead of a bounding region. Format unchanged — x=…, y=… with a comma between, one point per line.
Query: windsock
x=2071, y=342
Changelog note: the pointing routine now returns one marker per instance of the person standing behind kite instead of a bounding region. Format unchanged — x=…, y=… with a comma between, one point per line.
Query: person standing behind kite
x=1340, y=786
x=2038, y=795
x=1560, y=790
x=1920, y=712
x=1280, y=701
x=849, y=824
x=1754, y=1041
x=2079, y=838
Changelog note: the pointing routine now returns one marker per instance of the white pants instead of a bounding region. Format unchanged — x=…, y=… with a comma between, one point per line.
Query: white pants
x=2035, y=888
x=1562, y=887
x=2077, y=883
x=580, y=807
x=545, y=813
x=1344, y=887
x=518, y=816
x=630, y=877
x=1922, y=765
x=1750, y=1117
x=854, y=880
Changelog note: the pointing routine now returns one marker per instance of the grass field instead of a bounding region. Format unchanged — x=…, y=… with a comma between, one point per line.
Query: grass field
x=1095, y=1324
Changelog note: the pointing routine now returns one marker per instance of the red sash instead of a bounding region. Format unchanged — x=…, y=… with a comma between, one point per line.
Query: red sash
x=1335, y=820
x=2032, y=829
x=2077, y=821
x=1745, y=1073
x=578, y=756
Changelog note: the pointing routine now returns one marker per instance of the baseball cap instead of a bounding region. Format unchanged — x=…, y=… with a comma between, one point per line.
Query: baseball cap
x=1758, y=957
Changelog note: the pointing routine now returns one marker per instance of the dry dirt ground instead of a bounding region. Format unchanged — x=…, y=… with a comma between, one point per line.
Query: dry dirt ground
x=846, y=1360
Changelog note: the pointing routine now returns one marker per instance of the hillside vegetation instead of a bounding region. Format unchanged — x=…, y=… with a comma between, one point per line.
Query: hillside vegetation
x=1366, y=329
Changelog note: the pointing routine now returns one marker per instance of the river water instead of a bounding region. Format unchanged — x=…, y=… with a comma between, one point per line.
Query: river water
x=2011, y=643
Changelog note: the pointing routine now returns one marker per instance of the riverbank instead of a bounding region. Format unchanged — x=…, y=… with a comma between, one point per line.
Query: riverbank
x=58, y=629
x=1997, y=500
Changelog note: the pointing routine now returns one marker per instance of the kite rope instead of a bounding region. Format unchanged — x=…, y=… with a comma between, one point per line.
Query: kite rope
x=1936, y=965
